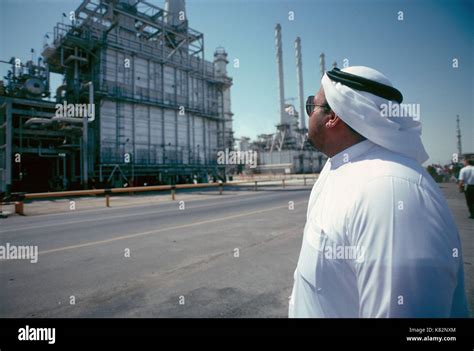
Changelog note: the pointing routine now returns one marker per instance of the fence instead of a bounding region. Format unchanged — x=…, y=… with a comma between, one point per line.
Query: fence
x=18, y=199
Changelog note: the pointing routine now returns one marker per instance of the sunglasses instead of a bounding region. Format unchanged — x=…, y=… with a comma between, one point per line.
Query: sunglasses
x=310, y=105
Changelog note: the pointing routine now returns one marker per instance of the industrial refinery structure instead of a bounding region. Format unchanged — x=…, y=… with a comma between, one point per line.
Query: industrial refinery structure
x=138, y=105
x=160, y=110
x=287, y=150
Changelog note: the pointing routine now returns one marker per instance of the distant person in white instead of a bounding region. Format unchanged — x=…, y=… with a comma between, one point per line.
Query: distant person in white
x=374, y=199
x=466, y=184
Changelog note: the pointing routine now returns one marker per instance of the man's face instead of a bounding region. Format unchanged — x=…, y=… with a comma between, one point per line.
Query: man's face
x=316, y=130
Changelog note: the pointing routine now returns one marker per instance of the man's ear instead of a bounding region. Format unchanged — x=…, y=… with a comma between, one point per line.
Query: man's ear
x=333, y=120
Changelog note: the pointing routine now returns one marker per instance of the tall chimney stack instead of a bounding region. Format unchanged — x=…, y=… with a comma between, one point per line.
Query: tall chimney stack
x=322, y=64
x=279, y=59
x=175, y=12
x=299, y=79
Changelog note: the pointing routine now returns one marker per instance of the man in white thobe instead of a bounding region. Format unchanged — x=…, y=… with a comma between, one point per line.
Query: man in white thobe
x=466, y=184
x=379, y=239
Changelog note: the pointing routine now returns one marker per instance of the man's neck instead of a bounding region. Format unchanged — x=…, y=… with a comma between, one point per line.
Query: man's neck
x=344, y=144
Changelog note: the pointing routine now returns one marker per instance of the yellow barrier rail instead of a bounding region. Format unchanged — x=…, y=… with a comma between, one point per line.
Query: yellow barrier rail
x=19, y=204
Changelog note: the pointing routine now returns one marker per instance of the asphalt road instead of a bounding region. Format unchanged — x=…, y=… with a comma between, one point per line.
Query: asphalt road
x=230, y=256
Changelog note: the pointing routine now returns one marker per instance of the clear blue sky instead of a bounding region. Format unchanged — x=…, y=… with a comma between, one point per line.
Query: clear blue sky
x=416, y=53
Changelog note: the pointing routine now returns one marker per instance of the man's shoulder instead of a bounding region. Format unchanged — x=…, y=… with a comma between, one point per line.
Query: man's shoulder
x=382, y=164
x=466, y=170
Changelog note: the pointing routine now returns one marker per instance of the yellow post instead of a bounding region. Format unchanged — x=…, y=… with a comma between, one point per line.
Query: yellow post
x=173, y=194
x=221, y=188
x=107, y=200
x=19, y=208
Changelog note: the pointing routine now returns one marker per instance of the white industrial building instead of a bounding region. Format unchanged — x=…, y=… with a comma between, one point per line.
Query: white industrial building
x=162, y=111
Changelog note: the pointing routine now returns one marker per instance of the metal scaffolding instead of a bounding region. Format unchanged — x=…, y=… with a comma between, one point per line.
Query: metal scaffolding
x=162, y=110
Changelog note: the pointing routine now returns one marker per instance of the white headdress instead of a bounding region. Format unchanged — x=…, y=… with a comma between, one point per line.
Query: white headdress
x=361, y=105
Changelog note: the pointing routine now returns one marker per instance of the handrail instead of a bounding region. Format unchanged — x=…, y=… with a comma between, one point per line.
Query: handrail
x=64, y=194
x=19, y=203
x=73, y=193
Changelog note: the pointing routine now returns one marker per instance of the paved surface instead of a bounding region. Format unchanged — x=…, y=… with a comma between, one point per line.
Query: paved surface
x=230, y=255
x=458, y=206
x=174, y=253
